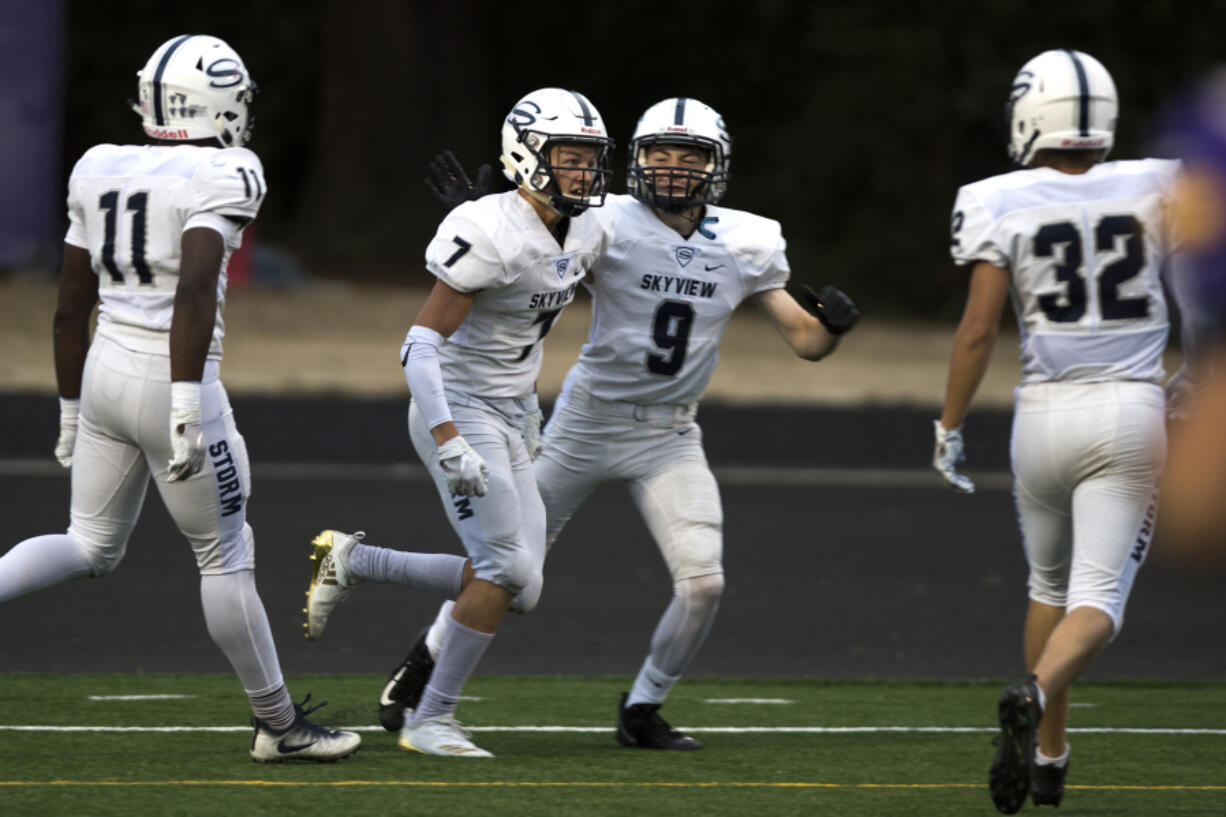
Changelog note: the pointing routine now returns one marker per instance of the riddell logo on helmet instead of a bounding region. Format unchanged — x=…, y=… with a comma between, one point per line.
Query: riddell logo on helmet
x=164, y=133
x=1083, y=143
x=596, y=131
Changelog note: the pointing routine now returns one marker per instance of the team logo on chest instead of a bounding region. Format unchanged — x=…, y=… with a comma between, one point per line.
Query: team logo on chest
x=684, y=255
x=562, y=265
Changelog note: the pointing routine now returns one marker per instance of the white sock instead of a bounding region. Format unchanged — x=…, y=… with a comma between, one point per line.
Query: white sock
x=1059, y=762
x=239, y=626
x=685, y=623
x=41, y=562
x=461, y=653
x=438, y=573
x=438, y=630
x=651, y=686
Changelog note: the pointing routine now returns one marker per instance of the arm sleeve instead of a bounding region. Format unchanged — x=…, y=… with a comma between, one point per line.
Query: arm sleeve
x=419, y=356
x=973, y=233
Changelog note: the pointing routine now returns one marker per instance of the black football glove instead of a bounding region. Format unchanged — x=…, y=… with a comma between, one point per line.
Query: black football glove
x=449, y=183
x=830, y=306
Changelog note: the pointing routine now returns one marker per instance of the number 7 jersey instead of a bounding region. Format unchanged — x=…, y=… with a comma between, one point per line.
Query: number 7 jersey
x=129, y=205
x=1085, y=253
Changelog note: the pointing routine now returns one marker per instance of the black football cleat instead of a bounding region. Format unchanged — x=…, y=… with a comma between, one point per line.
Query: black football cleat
x=642, y=727
x=405, y=685
x=1010, y=775
x=1047, y=784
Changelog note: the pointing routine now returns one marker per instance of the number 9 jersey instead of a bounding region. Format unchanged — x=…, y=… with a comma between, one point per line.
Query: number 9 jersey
x=1085, y=253
x=129, y=206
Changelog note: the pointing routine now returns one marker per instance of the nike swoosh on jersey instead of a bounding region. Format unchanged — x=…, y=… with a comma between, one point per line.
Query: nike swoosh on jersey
x=709, y=268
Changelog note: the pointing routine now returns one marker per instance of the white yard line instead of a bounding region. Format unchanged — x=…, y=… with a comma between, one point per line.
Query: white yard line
x=137, y=697
x=785, y=730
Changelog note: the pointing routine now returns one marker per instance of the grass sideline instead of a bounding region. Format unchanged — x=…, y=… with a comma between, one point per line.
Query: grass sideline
x=56, y=768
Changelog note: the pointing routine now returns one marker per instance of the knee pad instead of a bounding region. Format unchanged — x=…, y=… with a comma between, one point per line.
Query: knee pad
x=528, y=598
x=697, y=552
x=702, y=591
x=102, y=559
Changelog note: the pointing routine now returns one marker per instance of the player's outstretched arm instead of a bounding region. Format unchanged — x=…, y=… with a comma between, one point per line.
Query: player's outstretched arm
x=812, y=334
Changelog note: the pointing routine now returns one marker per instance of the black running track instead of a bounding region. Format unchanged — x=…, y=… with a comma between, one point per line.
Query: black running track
x=830, y=573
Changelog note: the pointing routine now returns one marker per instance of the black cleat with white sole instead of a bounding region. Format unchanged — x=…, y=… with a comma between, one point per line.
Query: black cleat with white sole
x=1011, y=771
x=640, y=726
x=405, y=685
x=1047, y=784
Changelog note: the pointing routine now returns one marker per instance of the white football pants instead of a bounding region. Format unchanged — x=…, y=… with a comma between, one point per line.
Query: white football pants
x=1087, y=459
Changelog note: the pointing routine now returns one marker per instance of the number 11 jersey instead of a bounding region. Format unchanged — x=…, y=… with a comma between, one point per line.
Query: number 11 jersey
x=129, y=205
x=1085, y=253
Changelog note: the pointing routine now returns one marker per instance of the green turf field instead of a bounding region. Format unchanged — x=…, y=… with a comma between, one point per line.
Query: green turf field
x=69, y=745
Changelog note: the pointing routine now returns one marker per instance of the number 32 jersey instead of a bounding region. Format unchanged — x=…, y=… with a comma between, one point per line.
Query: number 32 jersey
x=1085, y=253
x=661, y=302
x=129, y=205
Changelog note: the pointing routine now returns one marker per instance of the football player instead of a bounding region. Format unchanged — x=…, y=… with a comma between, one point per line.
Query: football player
x=676, y=267
x=506, y=265
x=151, y=229
x=1078, y=245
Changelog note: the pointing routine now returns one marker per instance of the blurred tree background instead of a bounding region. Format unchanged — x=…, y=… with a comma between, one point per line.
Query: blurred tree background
x=853, y=124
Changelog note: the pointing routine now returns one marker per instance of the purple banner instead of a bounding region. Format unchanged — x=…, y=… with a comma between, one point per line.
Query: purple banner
x=32, y=219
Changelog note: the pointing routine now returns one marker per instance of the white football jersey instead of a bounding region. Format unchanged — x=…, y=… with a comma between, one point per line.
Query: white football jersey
x=1085, y=253
x=499, y=249
x=661, y=302
x=128, y=205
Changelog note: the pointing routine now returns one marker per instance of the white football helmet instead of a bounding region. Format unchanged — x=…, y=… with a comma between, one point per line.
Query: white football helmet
x=541, y=120
x=680, y=121
x=196, y=87
x=1061, y=99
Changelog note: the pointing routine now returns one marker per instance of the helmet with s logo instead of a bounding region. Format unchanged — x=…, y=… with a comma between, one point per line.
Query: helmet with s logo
x=539, y=124
x=196, y=87
x=1061, y=99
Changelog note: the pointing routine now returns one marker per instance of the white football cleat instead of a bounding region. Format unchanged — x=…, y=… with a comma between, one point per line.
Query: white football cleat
x=303, y=740
x=442, y=736
x=331, y=581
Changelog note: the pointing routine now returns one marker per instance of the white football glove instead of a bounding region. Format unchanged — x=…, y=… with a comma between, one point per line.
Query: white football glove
x=463, y=467
x=70, y=410
x=533, y=420
x=947, y=454
x=186, y=434
x=1180, y=392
